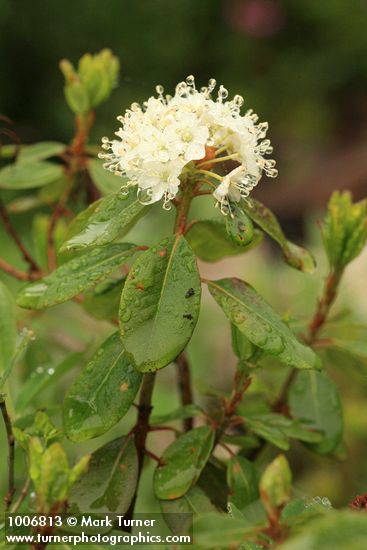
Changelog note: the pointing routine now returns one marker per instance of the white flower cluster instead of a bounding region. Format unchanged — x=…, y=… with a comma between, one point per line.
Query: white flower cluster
x=169, y=137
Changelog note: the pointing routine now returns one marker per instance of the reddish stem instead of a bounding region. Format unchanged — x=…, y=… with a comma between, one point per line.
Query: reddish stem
x=184, y=382
x=12, y=232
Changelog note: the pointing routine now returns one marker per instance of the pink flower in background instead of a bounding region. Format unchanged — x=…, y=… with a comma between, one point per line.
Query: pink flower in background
x=257, y=18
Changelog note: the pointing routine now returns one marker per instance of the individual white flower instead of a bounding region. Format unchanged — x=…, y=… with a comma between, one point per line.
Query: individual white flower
x=172, y=134
x=189, y=136
x=158, y=179
x=234, y=186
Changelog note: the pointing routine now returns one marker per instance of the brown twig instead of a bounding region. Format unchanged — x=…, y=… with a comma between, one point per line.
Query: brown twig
x=20, y=275
x=228, y=449
x=323, y=307
x=83, y=125
x=144, y=410
x=189, y=226
x=241, y=382
x=141, y=429
x=12, y=232
x=22, y=496
x=184, y=383
x=154, y=457
x=11, y=443
x=162, y=429
x=14, y=137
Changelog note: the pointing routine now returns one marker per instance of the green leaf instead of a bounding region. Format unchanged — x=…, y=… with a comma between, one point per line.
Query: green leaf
x=23, y=204
x=242, y=479
x=337, y=530
x=214, y=483
x=42, y=377
x=103, y=301
x=314, y=398
x=73, y=277
x=220, y=531
x=44, y=427
x=92, y=83
x=109, y=484
x=242, y=346
x=187, y=411
x=40, y=151
x=299, y=257
x=345, y=229
x=104, y=180
x=21, y=345
x=275, y=485
x=160, y=304
x=272, y=434
x=179, y=513
x=28, y=175
x=246, y=442
x=210, y=241
x=51, y=475
x=78, y=224
x=77, y=97
x=53, y=192
x=182, y=463
x=49, y=471
x=249, y=312
x=350, y=338
x=104, y=221
x=297, y=509
x=293, y=254
x=102, y=394
x=276, y=429
x=8, y=327
x=239, y=227
x=8, y=151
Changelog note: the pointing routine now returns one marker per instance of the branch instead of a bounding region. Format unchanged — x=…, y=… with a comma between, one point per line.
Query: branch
x=11, y=442
x=20, y=275
x=324, y=305
x=21, y=497
x=142, y=425
x=184, y=383
x=10, y=229
x=141, y=429
x=241, y=383
x=317, y=322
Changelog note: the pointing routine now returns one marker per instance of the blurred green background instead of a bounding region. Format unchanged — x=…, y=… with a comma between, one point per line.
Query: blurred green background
x=301, y=65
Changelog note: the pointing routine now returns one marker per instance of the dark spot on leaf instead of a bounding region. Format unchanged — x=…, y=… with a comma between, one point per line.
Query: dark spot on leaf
x=140, y=286
x=162, y=253
x=187, y=316
x=124, y=387
x=190, y=293
x=122, y=467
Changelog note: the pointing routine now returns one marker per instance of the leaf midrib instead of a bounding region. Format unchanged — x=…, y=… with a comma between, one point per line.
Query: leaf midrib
x=170, y=259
